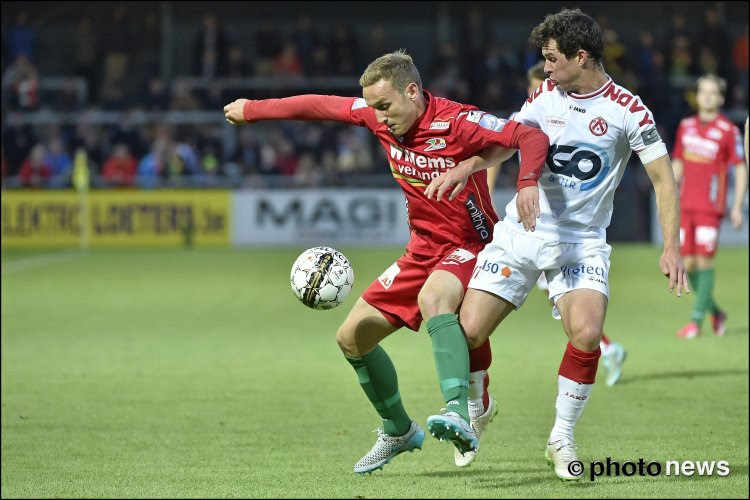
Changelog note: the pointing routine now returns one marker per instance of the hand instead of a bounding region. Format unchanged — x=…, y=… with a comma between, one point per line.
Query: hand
x=457, y=176
x=736, y=217
x=527, y=204
x=671, y=265
x=234, y=112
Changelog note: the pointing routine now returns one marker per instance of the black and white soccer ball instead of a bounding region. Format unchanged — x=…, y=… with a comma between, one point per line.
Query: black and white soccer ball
x=322, y=278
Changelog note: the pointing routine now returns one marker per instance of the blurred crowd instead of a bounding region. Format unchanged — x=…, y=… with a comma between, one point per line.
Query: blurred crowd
x=120, y=62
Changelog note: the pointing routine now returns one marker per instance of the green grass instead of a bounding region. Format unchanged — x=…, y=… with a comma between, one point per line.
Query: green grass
x=178, y=373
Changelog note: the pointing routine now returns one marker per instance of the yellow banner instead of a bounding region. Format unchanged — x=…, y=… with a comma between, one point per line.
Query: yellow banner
x=165, y=218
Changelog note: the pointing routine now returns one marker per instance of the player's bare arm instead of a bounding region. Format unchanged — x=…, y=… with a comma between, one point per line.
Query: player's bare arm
x=740, y=186
x=667, y=201
x=485, y=159
x=677, y=169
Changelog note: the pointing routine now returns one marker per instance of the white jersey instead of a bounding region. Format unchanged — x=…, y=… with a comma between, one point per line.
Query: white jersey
x=591, y=137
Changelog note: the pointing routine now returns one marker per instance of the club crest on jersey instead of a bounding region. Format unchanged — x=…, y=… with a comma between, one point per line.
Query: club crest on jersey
x=598, y=126
x=435, y=143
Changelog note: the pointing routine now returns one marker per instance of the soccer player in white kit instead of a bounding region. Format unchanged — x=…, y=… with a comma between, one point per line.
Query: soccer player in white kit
x=593, y=125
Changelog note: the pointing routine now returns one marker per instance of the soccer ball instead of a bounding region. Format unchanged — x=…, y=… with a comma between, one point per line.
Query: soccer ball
x=321, y=278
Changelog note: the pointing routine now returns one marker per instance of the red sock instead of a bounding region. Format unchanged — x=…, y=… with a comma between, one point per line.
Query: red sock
x=605, y=339
x=480, y=359
x=580, y=366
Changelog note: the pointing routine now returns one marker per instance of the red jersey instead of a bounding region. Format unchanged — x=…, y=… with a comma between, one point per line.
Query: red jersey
x=706, y=150
x=446, y=134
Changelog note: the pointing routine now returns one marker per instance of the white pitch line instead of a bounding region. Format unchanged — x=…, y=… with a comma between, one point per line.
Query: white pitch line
x=37, y=261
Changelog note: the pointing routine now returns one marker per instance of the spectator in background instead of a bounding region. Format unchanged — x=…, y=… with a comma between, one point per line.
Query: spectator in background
x=183, y=98
x=22, y=36
x=306, y=40
x=89, y=137
x=120, y=167
x=247, y=153
x=35, y=171
x=614, y=53
x=343, y=47
x=152, y=167
x=127, y=132
x=113, y=96
x=740, y=64
x=116, y=41
x=60, y=162
x=86, y=42
x=267, y=48
x=18, y=139
x=20, y=84
x=156, y=97
x=148, y=47
x=237, y=65
x=288, y=63
x=210, y=49
x=681, y=60
x=714, y=36
x=377, y=43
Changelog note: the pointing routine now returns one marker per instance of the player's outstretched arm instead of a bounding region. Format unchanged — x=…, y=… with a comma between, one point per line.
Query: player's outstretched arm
x=667, y=202
x=299, y=107
x=740, y=186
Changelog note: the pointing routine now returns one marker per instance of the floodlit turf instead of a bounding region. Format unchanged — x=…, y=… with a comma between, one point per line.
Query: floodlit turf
x=196, y=373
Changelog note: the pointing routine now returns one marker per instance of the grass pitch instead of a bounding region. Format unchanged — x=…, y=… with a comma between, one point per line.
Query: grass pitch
x=196, y=373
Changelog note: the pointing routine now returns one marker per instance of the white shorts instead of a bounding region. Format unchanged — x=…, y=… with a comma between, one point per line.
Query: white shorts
x=510, y=266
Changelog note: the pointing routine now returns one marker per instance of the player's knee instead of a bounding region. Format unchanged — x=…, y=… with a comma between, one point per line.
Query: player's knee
x=474, y=337
x=431, y=304
x=587, y=337
x=345, y=340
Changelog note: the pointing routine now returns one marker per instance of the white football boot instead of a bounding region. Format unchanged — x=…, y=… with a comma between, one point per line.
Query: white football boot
x=561, y=454
x=450, y=426
x=387, y=447
x=479, y=425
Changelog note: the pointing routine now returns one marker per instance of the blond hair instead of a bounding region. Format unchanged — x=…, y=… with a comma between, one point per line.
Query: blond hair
x=396, y=67
x=720, y=82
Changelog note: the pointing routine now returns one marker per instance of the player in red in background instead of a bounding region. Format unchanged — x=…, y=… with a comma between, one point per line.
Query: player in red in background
x=706, y=145
x=423, y=136
x=613, y=353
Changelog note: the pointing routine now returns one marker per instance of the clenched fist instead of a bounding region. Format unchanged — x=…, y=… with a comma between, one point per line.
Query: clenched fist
x=234, y=112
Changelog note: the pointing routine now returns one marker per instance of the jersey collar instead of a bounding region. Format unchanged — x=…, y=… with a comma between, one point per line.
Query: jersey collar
x=595, y=93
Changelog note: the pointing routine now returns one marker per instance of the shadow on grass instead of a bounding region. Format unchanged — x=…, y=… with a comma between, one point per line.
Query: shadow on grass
x=505, y=477
x=687, y=374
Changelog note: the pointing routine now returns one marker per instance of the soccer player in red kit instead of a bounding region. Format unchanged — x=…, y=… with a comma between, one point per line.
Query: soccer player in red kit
x=423, y=136
x=706, y=145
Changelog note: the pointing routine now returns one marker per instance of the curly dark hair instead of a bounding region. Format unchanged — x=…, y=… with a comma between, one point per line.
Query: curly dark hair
x=572, y=30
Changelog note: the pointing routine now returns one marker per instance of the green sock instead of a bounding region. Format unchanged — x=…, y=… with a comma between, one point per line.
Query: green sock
x=378, y=379
x=452, y=361
x=703, y=300
x=693, y=278
x=709, y=280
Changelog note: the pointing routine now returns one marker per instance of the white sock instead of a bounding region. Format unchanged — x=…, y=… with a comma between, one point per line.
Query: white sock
x=604, y=347
x=571, y=398
x=476, y=394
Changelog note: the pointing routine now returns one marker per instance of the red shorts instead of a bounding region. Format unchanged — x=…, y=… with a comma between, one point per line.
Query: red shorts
x=395, y=292
x=699, y=233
